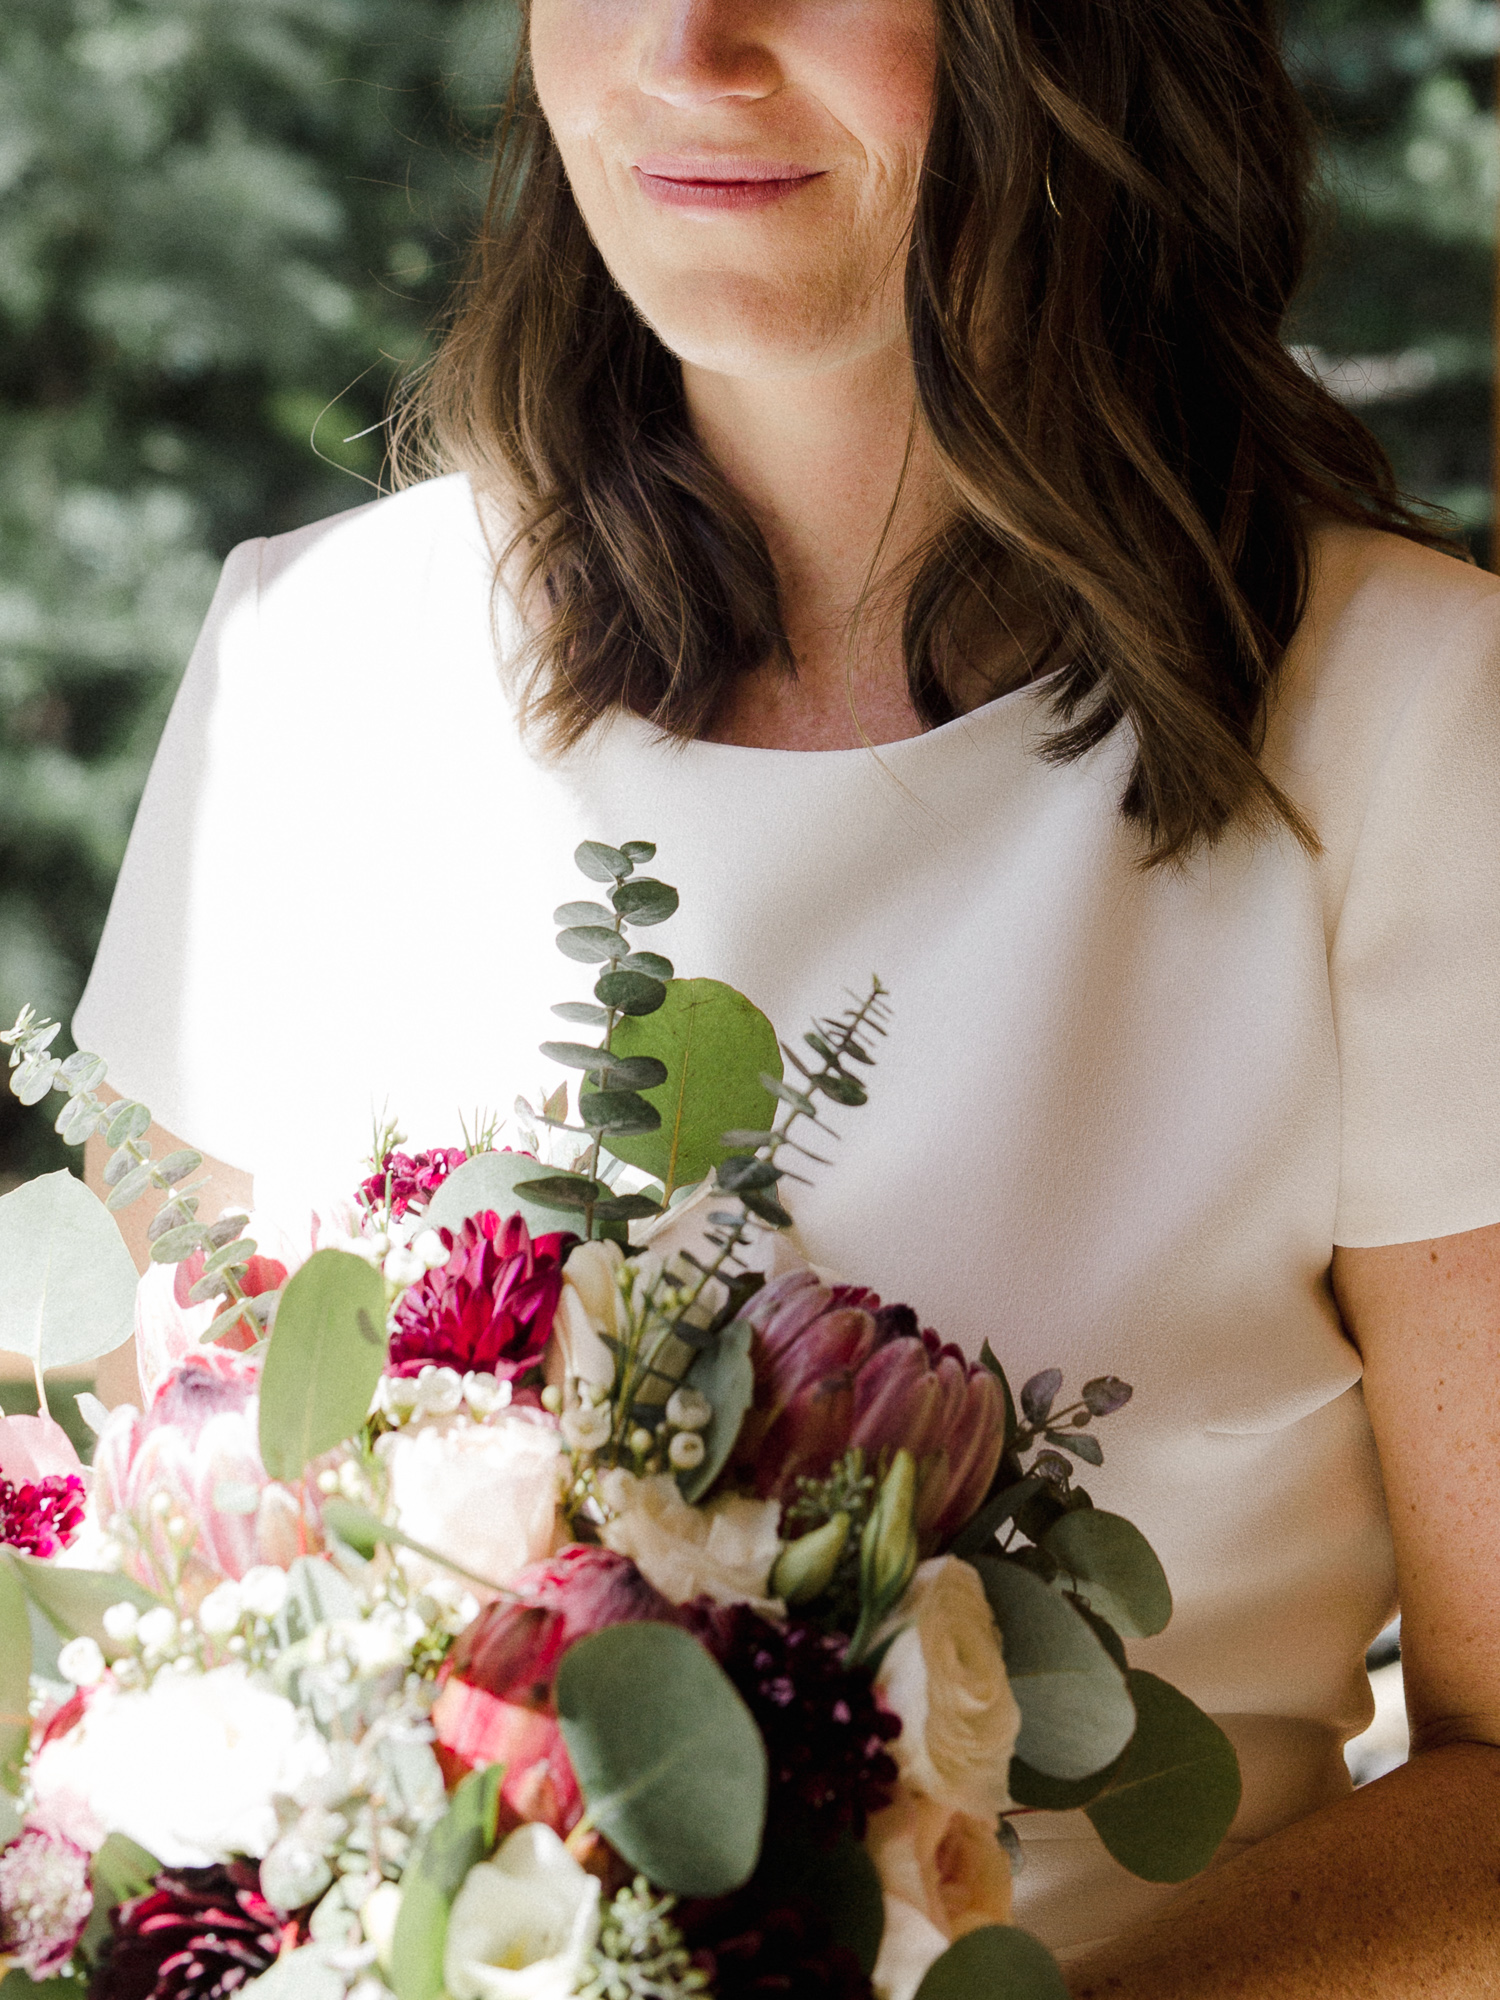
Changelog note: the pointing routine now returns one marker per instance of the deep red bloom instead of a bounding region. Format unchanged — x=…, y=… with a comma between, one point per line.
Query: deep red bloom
x=767, y=1943
x=197, y=1934
x=834, y=1368
x=489, y=1307
x=824, y=1728
x=41, y=1516
x=410, y=1179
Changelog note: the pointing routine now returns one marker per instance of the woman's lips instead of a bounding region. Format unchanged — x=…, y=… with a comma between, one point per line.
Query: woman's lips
x=718, y=185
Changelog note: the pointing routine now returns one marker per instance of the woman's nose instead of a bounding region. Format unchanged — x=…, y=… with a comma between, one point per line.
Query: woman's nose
x=699, y=52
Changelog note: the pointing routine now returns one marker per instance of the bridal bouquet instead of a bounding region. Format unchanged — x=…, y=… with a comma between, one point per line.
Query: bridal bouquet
x=529, y=1580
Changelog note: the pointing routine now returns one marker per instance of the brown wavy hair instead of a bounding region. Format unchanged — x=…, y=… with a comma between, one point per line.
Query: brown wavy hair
x=1112, y=219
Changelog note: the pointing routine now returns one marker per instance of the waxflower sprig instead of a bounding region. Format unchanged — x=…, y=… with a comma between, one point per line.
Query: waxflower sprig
x=175, y=1233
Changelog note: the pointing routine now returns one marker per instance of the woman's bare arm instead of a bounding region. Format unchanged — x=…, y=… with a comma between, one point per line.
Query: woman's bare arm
x=116, y=1380
x=1396, y=1891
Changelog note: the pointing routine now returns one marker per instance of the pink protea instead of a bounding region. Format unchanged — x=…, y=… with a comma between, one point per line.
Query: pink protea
x=489, y=1308
x=45, y=1901
x=410, y=1180
x=196, y=1447
x=835, y=1369
x=41, y=1486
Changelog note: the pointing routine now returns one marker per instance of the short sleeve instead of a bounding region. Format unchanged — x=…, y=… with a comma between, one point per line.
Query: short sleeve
x=132, y=1010
x=1415, y=960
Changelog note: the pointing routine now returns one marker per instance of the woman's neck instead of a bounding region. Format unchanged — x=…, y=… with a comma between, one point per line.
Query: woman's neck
x=844, y=486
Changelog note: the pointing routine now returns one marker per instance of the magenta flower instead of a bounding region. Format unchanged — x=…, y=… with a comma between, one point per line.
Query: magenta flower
x=41, y=1487
x=835, y=1369
x=410, y=1179
x=489, y=1308
x=45, y=1901
x=197, y=1934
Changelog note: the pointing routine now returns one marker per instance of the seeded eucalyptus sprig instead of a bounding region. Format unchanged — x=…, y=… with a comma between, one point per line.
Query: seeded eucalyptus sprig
x=175, y=1233
x=633, y=984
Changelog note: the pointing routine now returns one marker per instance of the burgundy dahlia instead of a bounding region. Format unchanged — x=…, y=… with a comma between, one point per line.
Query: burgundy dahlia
x=768, y=1946
x=41, y=1516
x=489, y=1307
x=835, y=1369
x=825, y=1731
x=198, y=1934
x=410, y=1180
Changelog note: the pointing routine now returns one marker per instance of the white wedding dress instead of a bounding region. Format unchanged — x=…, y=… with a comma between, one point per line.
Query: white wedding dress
x=1122, y=1117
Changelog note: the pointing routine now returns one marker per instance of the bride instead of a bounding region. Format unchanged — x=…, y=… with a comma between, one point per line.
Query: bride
x=866, y=464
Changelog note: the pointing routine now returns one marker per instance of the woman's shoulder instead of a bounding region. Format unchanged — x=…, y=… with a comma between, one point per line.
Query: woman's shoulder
x=387, y=548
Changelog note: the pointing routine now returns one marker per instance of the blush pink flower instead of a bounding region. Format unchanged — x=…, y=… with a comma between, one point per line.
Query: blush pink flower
x=197, y=1445
x=41, y=1486
x=835, y=1369
x=489, y=1308
x=45, y=1901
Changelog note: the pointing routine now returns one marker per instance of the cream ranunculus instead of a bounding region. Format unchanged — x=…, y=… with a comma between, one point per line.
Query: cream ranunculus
x=944, y=1675
x=588, y=1308
x=725, y=1550
x=190, y=1767
x=522, y=1923
x=483, y=1495
x=943, y=1874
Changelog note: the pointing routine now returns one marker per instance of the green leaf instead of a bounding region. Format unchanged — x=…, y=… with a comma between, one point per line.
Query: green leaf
x=74, y=1601
x=1076, y=1711
x=19, y=1985
x=722, y=1373
x=127, y=1121
x=840, y=1879
x=617, y=1112
x=626, y=1208
x=975, y=1539
x=15, y=1677
x=1109, y=1563
x=601, y=863
x=638, y=851
x=122, y=1869
x=490, y=1180
x=573, y=1192
x=715, y=1045
x=1079, y=1443
x=1173, y=1795
x=650, y=962
x=326, y=1351
x=591, y=944
x=645, y=901
x=364, y=1532
x=667, y=1755
x=575, y=1055
x=633, y=993
x=568, y=914
x=69, y=1291
x=581, y=1014
x=997, y=1962
x=459, y=1841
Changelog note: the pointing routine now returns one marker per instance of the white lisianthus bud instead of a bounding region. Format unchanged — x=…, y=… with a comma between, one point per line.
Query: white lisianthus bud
x=157, y=1629
x=81, y=1662
x=440, y=1391
x=430, y=1247
x=402, y=1268
x=689, y=1409
x=328, y=1480
x=120, y=1621
x=586, y=1427
x=484, y=1394
x=522, y=1924
x=263, y=1590
x=378, y=1916
x=686, y=1451
x=641, y=1441
x=221, y=1611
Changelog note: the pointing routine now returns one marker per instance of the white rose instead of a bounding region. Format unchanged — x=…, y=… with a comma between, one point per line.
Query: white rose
x=943, y=1874
x=522, y=1923
x=190, y=1767
x=944, y=1675
x=725, y=1550
x=590, y=1306
x=483, y=1495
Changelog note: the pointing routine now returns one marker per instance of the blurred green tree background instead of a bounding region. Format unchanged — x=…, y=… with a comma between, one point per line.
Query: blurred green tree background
x=225, y=226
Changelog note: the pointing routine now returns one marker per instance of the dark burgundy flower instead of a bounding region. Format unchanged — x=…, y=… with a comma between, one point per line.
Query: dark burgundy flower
x=410, y=1180
x=41, y=1516
x=490, y=1307
x=824, y=1728
x=834, y=1368
x=197, y=1934
x=757, y=1945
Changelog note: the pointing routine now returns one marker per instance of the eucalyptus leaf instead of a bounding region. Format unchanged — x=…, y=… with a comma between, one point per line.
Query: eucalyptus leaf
x=632, y=1073
x=568, y=914
x=582, y=1014
x=617, y=1113
x=15, y=1676
x=1079, y=1443
x=650, y=962
x=490, y=1181
x=669, y=1760
x=638, y=851
x=632, y=993
x=974, y=1539
x=69, y=1290
x=128, y=1189
x=996, y=1962
x=74, y=1601
x=83, y=1071
x=715, y=1045
x=602, y=863
x=306, y=1973
x=1172, y=1797
x=127, y=1121
x=590, y=944
x=177, y=1166
x=325, y=1356
x=1109, y=1563
x=626, y=1208
x=573, y=1192
x=723, y=1373
x=459, y=1841
x=1076, y=1711
x=645, y=901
